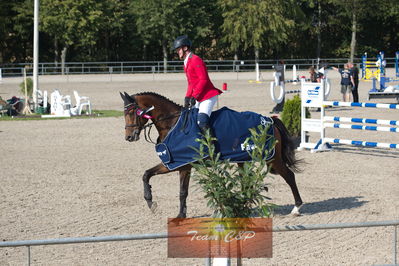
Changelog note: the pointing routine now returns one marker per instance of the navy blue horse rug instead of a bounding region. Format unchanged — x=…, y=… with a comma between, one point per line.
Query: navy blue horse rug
x=231, y=129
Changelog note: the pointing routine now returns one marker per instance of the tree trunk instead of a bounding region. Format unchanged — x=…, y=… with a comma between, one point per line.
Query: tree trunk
x=56, y=53
x=107, y=45
x=235, y=63
x=353, y=41
x=144, y=52
x=165, y=58
x=63, y=57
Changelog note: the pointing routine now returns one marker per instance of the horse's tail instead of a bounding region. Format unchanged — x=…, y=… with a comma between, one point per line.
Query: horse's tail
x=288, y=146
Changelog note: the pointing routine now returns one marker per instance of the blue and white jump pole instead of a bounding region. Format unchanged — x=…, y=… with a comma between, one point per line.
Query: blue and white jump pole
x=313, y=96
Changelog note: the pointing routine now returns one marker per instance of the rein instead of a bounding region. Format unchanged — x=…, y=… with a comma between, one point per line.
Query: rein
x=143, y=113
x=147, y=134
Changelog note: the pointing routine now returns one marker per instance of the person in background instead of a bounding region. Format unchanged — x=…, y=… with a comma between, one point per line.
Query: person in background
x=315, y=77
x=313, y=74
x=355, y=81
x=201, y=93
x=346, y=82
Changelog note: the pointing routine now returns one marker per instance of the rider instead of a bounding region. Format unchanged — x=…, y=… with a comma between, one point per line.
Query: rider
x=200, y=93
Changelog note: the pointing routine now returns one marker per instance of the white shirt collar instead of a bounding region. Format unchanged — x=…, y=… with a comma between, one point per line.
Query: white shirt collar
x=186, y=59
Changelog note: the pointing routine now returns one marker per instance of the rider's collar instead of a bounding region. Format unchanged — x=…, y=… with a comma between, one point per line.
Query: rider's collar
x=186, y=59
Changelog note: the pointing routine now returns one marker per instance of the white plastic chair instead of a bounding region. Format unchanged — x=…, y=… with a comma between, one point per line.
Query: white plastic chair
x=60, y=104
x=81, y=102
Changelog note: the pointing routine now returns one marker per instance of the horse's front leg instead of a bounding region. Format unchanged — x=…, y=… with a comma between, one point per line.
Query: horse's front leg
x=156, y=170
x=185, y=173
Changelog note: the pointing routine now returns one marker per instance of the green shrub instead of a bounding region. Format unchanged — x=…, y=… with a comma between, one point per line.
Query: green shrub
x=291, y=115
x=29, y=87
x=232, y=191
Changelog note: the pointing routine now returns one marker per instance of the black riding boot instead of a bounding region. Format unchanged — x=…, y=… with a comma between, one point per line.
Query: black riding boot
x=205, y=128
x=203, y=123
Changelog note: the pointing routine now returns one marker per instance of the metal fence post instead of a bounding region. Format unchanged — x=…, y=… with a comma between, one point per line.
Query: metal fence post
x=395, y=245
x=28, y=255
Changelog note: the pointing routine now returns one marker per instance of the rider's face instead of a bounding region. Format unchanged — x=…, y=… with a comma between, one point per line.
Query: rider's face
x=181, y=51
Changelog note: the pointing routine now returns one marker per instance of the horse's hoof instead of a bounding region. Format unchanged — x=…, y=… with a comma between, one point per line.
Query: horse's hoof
x=295, y=211
x=152, y=205
x=181, y=215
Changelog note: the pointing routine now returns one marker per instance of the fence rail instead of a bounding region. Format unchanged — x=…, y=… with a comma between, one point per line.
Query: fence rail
x=132, y=67
x=285, y=228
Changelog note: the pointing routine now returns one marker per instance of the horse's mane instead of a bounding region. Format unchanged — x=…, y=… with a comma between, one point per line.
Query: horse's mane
x=156, y=95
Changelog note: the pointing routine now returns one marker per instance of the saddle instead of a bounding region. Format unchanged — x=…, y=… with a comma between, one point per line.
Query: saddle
x=231, y=128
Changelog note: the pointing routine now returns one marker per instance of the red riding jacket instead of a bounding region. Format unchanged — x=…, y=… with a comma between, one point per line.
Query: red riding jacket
x=199, y=85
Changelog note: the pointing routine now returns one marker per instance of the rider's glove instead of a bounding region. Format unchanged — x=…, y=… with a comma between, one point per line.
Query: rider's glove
x=189, y=102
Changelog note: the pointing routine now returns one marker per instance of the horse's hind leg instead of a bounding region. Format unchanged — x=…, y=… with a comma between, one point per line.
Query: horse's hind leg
x=185, y=173
x=156, y=170
x=289, y=177
x=282, y=169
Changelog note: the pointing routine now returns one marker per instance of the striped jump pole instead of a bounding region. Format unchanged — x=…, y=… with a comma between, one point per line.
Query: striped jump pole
x=360, y=127
x=368, y=105
x=362, y=143
x=362, y=120
x=313, y=96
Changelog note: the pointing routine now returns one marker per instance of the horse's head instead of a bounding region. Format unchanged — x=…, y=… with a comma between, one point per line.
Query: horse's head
x=135, y=117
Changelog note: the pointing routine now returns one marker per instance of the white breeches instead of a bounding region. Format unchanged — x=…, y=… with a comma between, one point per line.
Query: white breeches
x=207, y=105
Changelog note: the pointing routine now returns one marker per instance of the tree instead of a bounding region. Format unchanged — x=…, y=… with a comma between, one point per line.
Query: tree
x=94, y=30
x=117, y=31
x=202, y=26
x=71, y=23
x=16, y=22
x=347, y=17
x=258, y=24
x=159, y=22
x=386, y=14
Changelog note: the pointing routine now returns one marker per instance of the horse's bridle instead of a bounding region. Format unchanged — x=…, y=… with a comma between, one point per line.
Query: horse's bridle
x=139, y=113
x=144, y=114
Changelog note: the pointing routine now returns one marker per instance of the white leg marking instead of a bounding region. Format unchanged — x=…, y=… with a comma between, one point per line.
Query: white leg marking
x=295, y=211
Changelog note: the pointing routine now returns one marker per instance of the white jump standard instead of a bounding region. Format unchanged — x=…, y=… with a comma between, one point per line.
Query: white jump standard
x=313, y=96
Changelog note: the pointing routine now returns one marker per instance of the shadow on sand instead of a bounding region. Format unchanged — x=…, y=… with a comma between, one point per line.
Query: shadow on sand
x=391, y=153
x=335, y=204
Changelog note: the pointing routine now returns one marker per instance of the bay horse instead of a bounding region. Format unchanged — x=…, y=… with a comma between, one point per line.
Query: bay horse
x=141, y=108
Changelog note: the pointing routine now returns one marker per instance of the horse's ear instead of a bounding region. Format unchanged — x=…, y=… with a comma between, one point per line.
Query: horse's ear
x=129, y=98
x=123, y=96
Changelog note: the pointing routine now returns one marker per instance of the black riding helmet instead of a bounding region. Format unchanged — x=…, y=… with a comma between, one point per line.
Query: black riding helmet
x=181, y=41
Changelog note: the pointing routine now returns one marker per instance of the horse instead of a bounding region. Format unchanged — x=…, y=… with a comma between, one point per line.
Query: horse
x=141, y=108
